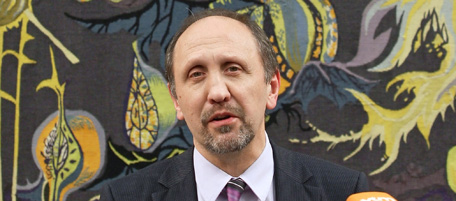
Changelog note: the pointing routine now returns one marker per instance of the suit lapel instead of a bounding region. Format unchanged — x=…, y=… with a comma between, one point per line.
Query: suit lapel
x=293, y=181
x=178, y=180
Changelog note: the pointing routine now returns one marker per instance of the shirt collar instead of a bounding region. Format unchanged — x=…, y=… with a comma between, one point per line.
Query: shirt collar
x=211, y=180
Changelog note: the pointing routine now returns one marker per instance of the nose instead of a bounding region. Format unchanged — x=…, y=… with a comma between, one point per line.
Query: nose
x=217, y=90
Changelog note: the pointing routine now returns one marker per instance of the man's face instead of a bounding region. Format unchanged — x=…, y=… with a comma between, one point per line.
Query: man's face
x=220, y=84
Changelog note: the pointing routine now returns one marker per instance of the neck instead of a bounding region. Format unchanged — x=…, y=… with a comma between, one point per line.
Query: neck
x=236, y=163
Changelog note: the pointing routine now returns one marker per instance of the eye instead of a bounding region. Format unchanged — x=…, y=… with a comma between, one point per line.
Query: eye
x=196, y=74
x=233, y=69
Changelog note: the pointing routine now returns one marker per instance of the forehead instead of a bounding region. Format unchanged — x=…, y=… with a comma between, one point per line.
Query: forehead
x=217, y=28
x=218, y=22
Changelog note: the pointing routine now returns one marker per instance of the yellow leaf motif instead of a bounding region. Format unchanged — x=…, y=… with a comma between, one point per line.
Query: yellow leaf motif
x=141, y=117
x=433, y=92
x=11, y=10
x=62, y=152
x=451, y=168
x=90, y=141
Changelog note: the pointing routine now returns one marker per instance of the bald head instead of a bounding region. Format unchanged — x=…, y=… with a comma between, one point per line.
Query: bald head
x=263, y=45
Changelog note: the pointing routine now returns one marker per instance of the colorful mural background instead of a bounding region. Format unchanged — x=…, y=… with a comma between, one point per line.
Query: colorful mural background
x=366, y=84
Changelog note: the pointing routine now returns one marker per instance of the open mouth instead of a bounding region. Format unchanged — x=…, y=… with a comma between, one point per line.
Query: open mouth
x=221, y=117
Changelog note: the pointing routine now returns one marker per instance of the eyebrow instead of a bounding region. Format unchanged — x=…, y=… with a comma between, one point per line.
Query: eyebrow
x=224, y=58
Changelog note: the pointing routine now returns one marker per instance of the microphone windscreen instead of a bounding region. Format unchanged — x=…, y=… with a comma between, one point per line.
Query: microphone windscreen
x=371, y=196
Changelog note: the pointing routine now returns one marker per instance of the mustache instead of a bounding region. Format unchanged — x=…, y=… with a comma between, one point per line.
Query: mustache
x=235, y=110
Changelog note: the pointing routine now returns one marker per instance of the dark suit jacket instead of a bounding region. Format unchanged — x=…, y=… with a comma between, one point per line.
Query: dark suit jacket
x=297, y=177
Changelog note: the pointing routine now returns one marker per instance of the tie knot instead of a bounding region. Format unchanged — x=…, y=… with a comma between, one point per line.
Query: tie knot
x=234, y=189
x=236, y=183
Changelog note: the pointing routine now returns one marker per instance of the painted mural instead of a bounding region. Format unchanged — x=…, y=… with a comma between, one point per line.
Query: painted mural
x=370, y=85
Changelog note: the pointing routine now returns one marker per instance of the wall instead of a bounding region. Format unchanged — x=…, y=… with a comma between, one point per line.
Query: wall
x=366, y=84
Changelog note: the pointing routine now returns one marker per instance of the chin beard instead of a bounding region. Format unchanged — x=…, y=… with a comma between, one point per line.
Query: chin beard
x=221, y=143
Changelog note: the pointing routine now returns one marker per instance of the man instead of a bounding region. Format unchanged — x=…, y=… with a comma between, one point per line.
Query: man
x=222, y=76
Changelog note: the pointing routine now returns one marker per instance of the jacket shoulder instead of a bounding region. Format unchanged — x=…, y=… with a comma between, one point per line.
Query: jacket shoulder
x=140, y=184
x=335, y=181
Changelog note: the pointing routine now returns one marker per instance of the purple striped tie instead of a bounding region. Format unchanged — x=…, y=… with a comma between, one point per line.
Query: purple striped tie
x=234, y=189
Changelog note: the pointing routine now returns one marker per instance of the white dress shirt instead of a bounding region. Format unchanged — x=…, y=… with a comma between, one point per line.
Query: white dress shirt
x=210, y=180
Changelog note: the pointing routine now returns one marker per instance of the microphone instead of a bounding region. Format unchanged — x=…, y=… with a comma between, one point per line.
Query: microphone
x=371, y=196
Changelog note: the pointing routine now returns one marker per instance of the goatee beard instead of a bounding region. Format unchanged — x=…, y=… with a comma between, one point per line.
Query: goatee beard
x=221, y=142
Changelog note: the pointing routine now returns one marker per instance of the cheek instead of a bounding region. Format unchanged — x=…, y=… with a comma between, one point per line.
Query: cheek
x=252, y=97
x=191, y=105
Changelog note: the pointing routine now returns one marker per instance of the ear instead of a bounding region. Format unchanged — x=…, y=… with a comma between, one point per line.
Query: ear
x=179, y=113
x=274, y=87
